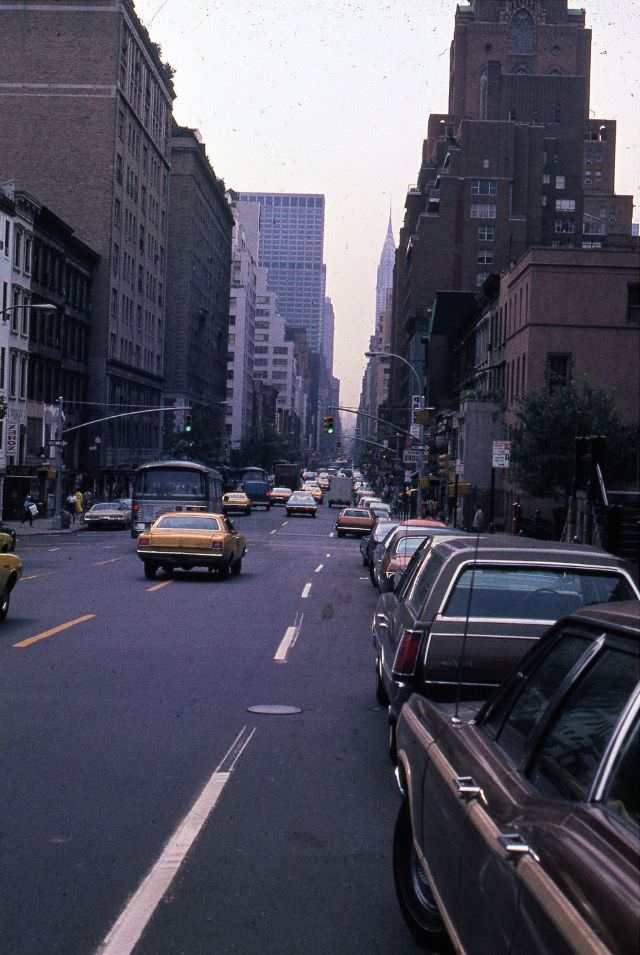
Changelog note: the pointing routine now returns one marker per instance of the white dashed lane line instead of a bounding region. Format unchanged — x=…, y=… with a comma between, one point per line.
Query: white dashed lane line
x=306, y=590
x=318, y=568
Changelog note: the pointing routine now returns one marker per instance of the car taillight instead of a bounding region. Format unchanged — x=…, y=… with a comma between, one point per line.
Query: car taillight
x=144, y=540
x=406, y=657
x=268, y=493
x=136, y=507
x=216, y=545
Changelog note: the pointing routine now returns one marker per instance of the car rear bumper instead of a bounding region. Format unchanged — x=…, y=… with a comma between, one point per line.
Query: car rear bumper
x=186, y=559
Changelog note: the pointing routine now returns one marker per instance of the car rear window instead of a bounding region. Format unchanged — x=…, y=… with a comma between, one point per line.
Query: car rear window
x=189, y=523
x=407, y=546
x=354, y=513
x=531, y=593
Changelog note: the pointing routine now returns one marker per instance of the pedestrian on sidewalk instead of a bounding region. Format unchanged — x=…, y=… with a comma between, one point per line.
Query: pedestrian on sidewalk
x=27, y=504
x=70, y=505
x=478, y=520
x=79, y=505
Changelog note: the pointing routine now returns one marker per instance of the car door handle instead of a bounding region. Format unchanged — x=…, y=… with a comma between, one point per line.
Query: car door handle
x=516, y=845
x=468, y=788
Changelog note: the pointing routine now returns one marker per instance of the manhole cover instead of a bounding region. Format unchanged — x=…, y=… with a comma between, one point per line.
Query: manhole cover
x=274, y=709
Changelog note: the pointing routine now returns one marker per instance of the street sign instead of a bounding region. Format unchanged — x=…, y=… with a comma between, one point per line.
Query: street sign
x=501, y=457
x=411, y=456
x=415, y=430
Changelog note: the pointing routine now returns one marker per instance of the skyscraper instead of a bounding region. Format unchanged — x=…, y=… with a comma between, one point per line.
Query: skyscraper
x=515, y=162
x=292, y=249
x=384, y=281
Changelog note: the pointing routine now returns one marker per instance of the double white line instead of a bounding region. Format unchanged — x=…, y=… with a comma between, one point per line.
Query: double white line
x=289, y=639
x=128, y=929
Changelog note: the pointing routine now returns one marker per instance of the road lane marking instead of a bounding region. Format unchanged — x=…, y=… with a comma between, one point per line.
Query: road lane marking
x=112, y=560
x=50, y=633
x=331, y=534
x=275, y=532
x=49, y=573
x=165, y=583
x=284, y=523
x=52, y=550
x=125, y=934
x=318, y=568
x=327, y=555
x=289, y=640
x=306, y=590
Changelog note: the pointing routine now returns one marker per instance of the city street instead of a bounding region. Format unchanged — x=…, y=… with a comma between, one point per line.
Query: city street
x=126, y=701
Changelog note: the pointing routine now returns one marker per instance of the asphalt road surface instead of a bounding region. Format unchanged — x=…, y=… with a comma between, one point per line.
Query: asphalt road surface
x=143, y=807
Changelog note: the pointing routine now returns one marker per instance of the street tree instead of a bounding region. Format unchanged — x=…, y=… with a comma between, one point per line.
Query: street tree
x=543, y=442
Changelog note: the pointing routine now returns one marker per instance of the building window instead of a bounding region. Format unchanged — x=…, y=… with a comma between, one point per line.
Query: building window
x=564, y=226
x=561, y=182
x=481, y=278
x=522, y=33
x=593, y=226
x=483, y=210
x=484, y=187
x=633, y=303
x=485, y=257
x=486, y=233
x=118, y=168
x=613, y=215
x=558, y=371
x=565, y=205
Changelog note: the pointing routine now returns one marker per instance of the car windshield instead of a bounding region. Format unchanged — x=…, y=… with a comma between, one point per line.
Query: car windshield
x=540, y=593
x=188, y=523
x=170, y=482
x=115, y=506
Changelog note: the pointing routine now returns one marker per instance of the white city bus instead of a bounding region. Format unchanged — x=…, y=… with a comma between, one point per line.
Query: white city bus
x=173, y=486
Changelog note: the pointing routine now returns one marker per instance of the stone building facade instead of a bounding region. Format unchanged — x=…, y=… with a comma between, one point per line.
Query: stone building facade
x=507, y=166
x=198, y=282
x=86, y=80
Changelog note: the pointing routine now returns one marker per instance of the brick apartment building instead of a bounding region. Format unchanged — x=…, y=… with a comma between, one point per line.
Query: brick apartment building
x=199, y=277
x=85, y=112
x=515, y=162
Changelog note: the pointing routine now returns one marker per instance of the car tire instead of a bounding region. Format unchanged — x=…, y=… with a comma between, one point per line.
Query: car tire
x=314, y=514
x=223, y=572
x=236, y=568
x=381, y=693
x=415, y=897
x=5, y=600
x=150, y=569
x=339, y=533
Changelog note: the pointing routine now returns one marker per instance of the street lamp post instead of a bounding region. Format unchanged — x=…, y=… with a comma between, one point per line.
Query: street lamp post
x=419, y=392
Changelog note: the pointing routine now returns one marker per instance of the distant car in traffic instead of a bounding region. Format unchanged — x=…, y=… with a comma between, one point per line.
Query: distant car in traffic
x=519, y=831
x=416, y=529
x=301, y=502
x=258, y=492
x=236, y=502
x=354, y=520
x=280, y=495
x=180, y=540
x=108, y=514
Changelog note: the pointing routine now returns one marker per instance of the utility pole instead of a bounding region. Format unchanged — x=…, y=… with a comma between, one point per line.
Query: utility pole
x=58, y=444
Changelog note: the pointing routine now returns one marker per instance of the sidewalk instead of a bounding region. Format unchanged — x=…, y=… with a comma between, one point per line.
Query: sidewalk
x=41, y=527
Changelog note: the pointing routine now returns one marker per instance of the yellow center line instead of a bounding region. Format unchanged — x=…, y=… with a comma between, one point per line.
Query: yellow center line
x=165, y=583
x=50, y=633
x=37, y=576
x=111, y=561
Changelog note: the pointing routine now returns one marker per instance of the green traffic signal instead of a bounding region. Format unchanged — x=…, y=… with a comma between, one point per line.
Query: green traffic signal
x=187, y=423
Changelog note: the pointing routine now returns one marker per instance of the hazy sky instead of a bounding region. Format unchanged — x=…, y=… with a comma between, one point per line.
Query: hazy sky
x=333, y=97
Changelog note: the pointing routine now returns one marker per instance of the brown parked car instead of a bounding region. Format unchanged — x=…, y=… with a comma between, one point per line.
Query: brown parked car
x=354, y=520
x=474, y=608
x=519, y=833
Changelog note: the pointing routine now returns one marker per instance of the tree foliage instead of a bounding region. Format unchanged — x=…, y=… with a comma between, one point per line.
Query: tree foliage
x=266, y=447
x=203, y=442
x=543, y=444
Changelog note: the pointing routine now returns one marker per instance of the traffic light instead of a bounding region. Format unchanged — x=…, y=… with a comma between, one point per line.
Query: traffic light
x=187, y=423
x=443, y=465
x=327, y=425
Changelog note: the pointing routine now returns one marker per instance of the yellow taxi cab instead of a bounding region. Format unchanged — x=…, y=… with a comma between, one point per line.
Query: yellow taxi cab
x=280, y=495
x=314, y=490
x=236, y=501
x=180, y=540
x=10, y=574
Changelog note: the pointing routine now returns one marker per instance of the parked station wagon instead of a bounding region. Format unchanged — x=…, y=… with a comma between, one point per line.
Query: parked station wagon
x=475, y=607
x=519, y=833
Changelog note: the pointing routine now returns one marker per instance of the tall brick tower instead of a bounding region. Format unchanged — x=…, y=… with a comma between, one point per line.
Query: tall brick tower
x=85, y=113
x=515, y=162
